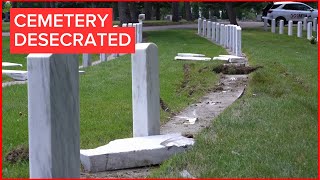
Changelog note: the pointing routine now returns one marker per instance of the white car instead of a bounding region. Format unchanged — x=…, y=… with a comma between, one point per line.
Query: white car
x=294, y=11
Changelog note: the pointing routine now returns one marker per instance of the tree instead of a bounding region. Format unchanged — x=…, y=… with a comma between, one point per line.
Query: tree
x=231, y=13
x=133, y=12
x=157, y=13
x=188, y=11
x=148, y=10
x=175, y=11
x=195, y=10
x=124, y=13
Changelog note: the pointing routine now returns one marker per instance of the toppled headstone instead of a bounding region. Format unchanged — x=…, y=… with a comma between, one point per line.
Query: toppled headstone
x=16, y=74
x=221, y=58
x=134, y=152
x=9, y=64
x=191, y=54
x=192, y=58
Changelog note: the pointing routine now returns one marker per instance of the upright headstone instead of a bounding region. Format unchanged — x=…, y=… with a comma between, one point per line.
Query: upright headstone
x=86, y=60
x=234, y=43
x=199, y=26
x=299, y=29
x=315, y=24
x=265, y=24
x=221, y=34
x=204, y=28
x=217, y=32
x=53, y=116
x=145, y=90
x=290, y=28
x=124, y=25
x=208, y=29
x=230, y=37
x=225, y=42
x=103, y=57
x=281, y=24
x=309, y=30
x=141, y=32
x=238, y=47
x=273, y=26
x=130, y=24
x=213, y=33
x=136, y=32
x=305, y=21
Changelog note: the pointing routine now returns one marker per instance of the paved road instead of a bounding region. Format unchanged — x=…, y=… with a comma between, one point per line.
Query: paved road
x=184, y=26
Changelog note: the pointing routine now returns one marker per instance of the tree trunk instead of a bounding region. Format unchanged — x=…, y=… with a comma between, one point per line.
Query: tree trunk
x=148, y=10
x=124, y=13
x=188, y=11
x=133, y=12
x=114, y=11
x=175, y=12
x=231, y=13
x=157, y=11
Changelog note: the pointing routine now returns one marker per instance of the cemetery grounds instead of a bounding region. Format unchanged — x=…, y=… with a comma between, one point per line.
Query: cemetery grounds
x=271, y=131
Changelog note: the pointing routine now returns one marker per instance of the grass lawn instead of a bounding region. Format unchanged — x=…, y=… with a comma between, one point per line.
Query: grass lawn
x=271, y=131
x=105, y=95
x=5, y=26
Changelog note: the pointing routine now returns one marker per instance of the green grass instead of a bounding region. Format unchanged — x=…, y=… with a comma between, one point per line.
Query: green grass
x=272, y=130
x=5, y=26
x=105, y=95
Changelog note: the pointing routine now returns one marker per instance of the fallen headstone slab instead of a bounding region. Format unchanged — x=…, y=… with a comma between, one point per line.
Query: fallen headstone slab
x=134, y=152
x=231, y=56
x=221, y=58
x=192, y=58
x=9, y=64
x=16, y=74
x=191, y=54
x=237, y=60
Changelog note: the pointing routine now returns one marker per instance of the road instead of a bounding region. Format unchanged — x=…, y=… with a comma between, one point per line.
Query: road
x=184, y=26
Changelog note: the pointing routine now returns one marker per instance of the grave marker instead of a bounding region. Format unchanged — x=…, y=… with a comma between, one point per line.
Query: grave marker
x=86, y=60
x=273, y=26
x=213, y=29
x=299, y=31
x=145, y=90
x=199, y=25
x=53, y=116
x=281, y=24
x=309, y=30
x=305, y=21
x=290, y=28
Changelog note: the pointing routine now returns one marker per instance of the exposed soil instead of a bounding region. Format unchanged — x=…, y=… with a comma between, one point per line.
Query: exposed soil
x=234, y=69
x=18, y=154
x=164, y=106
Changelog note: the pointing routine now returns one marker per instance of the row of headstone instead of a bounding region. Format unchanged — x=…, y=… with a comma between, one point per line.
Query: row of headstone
x=226, y=35
x=53, y=108
x=309, y=26
x=138, y=30
x=87, y=58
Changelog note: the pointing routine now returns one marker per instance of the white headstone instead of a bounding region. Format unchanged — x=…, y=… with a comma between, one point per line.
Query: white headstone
x=136, y=32
x=290, y=27
x=273, y=26
x=199, y=25
x=209, y=29
x=124, y=25
x=305, y=21
x=309, y=30
x=239, y=39
x=145, y=90
x=221, y=34
x=103, y=57
x=53, y=116
x=141, y=32
x=299, y=29
x=86, y=60
x=315, y=24
x=234, y=43
x=130, y=24
x=217, y=32
x=213, y=33
x=204, y=28
x=281, y=24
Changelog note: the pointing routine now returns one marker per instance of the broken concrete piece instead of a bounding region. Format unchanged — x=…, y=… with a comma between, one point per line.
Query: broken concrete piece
x=16, y=74
x=134, y=152
x=191, y=54
x=192, y=58
x=9, y=64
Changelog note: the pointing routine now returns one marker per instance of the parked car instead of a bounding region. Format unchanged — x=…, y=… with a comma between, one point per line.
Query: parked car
x=286, y=11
